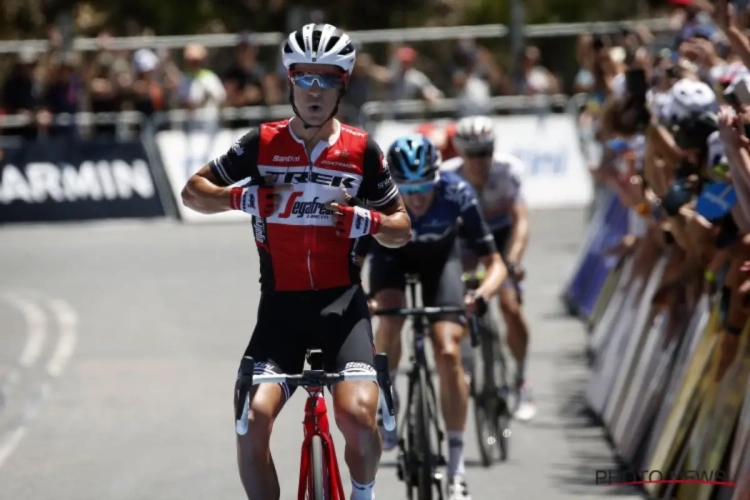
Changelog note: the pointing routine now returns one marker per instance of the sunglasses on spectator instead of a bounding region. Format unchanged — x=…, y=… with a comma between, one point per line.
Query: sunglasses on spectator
x=416, y=188
x=306, y=79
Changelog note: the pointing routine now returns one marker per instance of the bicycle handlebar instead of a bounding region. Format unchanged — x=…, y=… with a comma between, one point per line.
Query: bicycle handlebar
x=312, y=378
x=434, y=311
x=419, y=311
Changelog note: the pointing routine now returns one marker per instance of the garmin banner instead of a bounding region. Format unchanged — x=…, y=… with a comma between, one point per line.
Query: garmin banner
x=60, y=179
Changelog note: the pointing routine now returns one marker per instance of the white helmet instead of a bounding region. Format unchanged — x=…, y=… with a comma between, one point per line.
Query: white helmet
x=319, y=44
x=689, y=97
x=474, y=133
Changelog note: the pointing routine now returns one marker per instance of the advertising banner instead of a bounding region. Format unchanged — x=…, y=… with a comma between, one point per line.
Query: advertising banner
x=60, y=179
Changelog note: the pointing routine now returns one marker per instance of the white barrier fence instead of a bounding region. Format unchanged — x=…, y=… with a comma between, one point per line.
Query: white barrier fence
x=673, y=404
x=555, y=175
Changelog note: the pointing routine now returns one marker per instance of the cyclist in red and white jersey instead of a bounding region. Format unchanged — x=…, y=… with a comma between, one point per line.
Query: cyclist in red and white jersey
x=303, y=173
x=496, y=177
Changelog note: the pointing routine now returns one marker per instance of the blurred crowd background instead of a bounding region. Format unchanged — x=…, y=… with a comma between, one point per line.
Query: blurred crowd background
x=39, y=85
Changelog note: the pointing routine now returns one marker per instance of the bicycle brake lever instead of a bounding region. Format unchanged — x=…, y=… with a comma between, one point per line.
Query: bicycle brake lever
x=386, y=391
x=245, y=384
x=474, y=330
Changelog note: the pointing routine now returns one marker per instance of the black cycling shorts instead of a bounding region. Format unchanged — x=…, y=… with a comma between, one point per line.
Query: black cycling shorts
x=334, y=320
x=502, y=238
x=439, y=274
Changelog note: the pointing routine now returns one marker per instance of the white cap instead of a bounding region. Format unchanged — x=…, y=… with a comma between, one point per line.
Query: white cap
x=145, y=60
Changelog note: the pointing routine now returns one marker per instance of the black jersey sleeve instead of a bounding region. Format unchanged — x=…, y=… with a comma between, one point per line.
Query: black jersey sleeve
x=473, y=226
x=377, y=186
x=240, y=161
x=364, y=246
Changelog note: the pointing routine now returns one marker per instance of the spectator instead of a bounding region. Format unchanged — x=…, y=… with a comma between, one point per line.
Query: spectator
x=475, y=77
x=245, y=79
x=201, y=90
x=21, y=94
x=408, y=82
x=586, y=58
x=366, y=72
x=146, y=94
x=534, y=78
x=61, y=95
x=105, y=92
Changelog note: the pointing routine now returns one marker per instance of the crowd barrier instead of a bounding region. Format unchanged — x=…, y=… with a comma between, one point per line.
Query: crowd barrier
x=142, y=170
x=671, y=406
x=63, y=179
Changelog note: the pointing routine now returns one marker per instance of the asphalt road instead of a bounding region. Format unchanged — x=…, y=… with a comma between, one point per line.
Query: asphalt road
x=119, y=345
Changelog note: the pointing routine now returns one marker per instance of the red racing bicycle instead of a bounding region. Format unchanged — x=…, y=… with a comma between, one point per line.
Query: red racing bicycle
x=319, y=476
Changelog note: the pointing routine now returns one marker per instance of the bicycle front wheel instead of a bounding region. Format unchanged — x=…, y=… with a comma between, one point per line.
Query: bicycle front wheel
x=317, y=487
x=490, y=408
x=423, y=452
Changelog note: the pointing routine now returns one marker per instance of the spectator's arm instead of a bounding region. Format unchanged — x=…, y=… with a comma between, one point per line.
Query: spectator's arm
x=429, y=92
x=272, y=89
x=495, y=75
x=380, y=74
x=723, y=14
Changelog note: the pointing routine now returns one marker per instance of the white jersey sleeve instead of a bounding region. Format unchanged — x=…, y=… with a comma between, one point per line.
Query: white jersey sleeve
x=452, y=165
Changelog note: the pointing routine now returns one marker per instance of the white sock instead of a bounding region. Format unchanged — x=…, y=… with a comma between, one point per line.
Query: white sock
x=456, y=466
x=393, y=374
x=362, y=491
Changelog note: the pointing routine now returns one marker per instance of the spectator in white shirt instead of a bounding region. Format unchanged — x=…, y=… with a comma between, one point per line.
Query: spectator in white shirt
x=201, y=90
x=408, y=82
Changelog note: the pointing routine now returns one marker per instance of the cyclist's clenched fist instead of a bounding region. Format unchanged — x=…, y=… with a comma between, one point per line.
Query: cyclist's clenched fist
x=259, y=200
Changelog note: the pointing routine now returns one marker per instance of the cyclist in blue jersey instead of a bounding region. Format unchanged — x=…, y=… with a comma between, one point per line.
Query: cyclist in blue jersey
x=436, y=202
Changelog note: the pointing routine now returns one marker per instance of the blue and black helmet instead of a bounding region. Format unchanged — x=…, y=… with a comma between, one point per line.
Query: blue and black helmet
x=413, y=158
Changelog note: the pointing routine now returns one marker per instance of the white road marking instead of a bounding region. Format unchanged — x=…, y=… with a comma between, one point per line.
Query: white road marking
x=67, y=320
x=36, y=329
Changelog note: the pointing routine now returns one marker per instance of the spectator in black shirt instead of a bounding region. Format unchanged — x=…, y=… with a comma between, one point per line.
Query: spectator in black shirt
x=244, y=79
x=147, y=94
x=20, y=95
x=62, y=95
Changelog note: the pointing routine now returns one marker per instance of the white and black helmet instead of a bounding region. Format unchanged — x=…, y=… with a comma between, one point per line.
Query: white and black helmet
x=689, y=97
x=474, y=134
x=319, y=44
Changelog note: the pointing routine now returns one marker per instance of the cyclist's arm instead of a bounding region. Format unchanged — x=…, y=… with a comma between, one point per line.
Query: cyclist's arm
x=520, y=214
x=482, y=242
x=379, y=189
x=207, y=191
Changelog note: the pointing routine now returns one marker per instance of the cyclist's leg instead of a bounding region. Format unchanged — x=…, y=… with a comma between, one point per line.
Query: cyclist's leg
x=387, y=285
x=518, y=331
x=276, y=346
x=441, y=285
x=348, y=346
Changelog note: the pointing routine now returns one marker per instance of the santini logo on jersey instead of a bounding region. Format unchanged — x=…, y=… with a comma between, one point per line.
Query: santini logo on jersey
x=285, y=159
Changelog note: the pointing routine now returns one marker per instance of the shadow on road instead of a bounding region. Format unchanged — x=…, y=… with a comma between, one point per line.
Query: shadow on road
x=580, y=425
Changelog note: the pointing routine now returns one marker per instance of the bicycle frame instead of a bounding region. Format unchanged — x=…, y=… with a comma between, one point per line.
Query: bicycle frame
x=316, y=421
x=316, y=424
x=420, y=330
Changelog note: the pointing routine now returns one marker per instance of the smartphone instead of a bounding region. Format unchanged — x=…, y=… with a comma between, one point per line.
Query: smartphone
x=635, y=82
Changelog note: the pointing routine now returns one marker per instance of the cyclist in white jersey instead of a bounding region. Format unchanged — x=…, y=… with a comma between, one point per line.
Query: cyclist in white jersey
x=496, y=177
